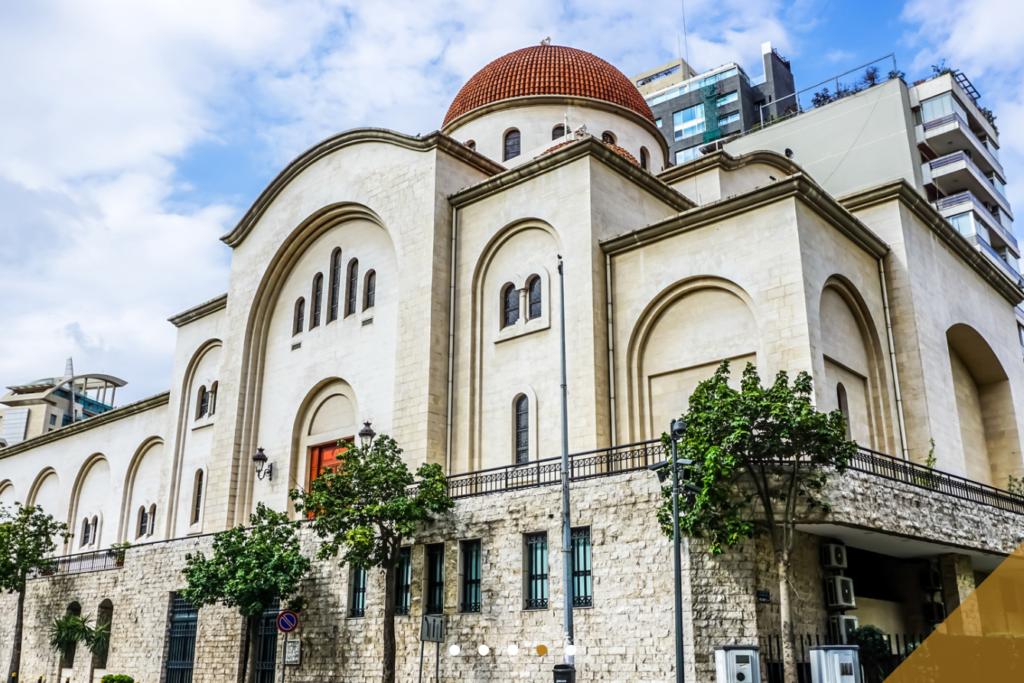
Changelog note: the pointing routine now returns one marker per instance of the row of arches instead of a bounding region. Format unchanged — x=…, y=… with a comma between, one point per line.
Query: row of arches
x=512, y=142
x=104, y=620
x=369, y=298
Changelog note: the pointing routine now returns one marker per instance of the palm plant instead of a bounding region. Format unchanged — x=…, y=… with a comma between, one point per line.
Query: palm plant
x=68, y=631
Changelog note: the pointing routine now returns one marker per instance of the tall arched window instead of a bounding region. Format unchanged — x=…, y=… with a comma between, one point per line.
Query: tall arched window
x=353, y=282
x=95, y=530
x=152, y=520
x=509, y=305
x=335, y=284
x=643, y=158
x=143, y=523
x=197, y=497
x=844, y=405
x=534, y=293
x=558, y=132
x=202, y=402
x=318, y=297
x=213, y=398
x=86, y=528
x=370, y=290
x=608, y=137
x=300, y=316
x=522, y=429
x=511, y=144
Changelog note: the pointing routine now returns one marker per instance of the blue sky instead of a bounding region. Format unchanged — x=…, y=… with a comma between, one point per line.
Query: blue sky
x=134, y=135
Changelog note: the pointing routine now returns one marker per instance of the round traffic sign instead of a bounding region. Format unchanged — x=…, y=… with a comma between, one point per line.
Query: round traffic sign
x=287, y=621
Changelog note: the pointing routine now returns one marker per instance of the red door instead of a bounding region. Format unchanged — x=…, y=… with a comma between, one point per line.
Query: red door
x=325, y=455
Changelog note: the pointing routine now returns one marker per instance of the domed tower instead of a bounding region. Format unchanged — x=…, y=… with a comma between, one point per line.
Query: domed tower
x=517, y=107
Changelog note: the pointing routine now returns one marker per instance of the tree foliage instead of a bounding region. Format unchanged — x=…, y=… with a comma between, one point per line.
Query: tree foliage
x=26, y=542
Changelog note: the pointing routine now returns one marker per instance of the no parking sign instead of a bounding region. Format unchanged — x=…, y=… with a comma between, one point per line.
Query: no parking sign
x=287, y=621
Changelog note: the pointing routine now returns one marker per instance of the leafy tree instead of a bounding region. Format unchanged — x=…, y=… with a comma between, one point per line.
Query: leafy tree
x=875, y=651
x=822, y=97
x=366, y=508
x=759, y=456
x=26, y=542
x=990, y=117
x=249, y=569
x=896, y=73
x=871, y=77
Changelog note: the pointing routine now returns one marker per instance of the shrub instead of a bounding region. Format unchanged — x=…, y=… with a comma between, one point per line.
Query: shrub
x=117, y=678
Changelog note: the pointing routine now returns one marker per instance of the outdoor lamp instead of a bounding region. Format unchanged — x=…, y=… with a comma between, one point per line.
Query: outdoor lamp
x=484, y=650
x=678, y=429
x=454, y=650
x=513, y=650
x=263, y=469
x=366, y=434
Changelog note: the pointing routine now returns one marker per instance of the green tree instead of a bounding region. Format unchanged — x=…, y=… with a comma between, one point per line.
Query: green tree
x=249, y=569
x=364, y=510
x=26, y=542
x=759, y=456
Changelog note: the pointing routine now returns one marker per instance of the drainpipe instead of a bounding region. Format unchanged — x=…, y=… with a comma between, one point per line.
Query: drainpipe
x=451, y=344
x=611, y=345
x=892, y=361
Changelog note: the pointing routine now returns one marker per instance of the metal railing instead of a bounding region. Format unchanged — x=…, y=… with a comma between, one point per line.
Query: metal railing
x=972, y=167
x=900, y=648
x=966, y=128
x=81, y=563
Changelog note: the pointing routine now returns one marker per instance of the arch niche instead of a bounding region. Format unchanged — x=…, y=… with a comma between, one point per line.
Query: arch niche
x=142, y=488
x=45, y=492
x=328, y=415
x=679, y=341
x=7, y=495
x=91, y=499
x=984, y=405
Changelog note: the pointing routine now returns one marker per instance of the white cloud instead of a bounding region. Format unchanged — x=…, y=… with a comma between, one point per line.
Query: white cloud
x=104, y=100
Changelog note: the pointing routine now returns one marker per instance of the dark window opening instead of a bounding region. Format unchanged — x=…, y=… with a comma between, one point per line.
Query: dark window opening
x=608, y=138
x=643, y=158
x=558, y=132
x=143, y=523
x=371, y=290
x=353, y=282
x=357, y=599
x=510, y=305
x=534, y=297
x=335, y=284
x=213, y=398
x=204, y=402
x=582, y=572
x=318, y=295
x=199, y=497
x=511, y=144
x=300, y=316
x=537, y=570
x=403, y=582
x=181, y=650
x=435, y=579
x=522, y=426
x=471, y=566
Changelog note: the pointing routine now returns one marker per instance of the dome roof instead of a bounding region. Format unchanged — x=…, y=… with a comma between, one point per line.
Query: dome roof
x=548, y=70
x=615, y=148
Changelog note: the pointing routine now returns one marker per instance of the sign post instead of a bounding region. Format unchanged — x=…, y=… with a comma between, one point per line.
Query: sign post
x=287, y=621
x=432, y=631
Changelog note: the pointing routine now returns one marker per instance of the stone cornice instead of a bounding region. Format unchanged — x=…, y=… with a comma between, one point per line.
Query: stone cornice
x=91, y=423
x=356, y=136
x=200, y=311
x=588, y=102
x=798, y=185
x=728, y=162
x=902, y=191
x=565, y=155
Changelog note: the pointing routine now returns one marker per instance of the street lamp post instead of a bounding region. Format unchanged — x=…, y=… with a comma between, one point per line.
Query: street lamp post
x=676, y=431
x=569, y=649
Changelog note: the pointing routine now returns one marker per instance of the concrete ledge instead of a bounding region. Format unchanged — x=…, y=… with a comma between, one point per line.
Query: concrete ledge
x=200, y=311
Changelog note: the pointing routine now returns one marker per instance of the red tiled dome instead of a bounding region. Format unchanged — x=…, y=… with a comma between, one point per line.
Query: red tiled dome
x=615, y=148
x=548, y=70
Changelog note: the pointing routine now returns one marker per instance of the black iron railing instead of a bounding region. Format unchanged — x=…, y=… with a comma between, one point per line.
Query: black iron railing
x=900, y=647
x=81, y=563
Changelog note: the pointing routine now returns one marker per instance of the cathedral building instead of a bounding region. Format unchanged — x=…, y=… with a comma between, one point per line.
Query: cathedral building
x=412, y=283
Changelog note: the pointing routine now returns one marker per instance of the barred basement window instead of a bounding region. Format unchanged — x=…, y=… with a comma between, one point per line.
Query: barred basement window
x=435, y=579
x=509, y=305
x=357, y=593
x=522, y=426
x=318, y=295
x=511, y=144
x=582, y=576
x=403, y=582
x=353, y=282
x=335, y=284
x=471, y=566
x=537, y=570
x=533, y=289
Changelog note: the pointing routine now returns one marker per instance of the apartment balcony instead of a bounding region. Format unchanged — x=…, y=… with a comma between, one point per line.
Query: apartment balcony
x=950, y=133
x=986, y=249
x=963, y=202
x=956, y=173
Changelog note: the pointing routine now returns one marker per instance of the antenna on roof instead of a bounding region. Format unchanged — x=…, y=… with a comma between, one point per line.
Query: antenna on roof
x=69, y=368
x=546, y=41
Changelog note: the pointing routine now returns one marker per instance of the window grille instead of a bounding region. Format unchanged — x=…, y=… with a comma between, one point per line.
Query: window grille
x=511, y=144
x=435, y=579
x=537, y=570
x=471, y=568
x=199, y=497
x=318, y=295
x=534, y=292
x=522, y=429
x=371, y=289
x=582, y=577
x=353, y=282
x=181, y=650
x=266, y=653
x=510, y=305
x=335, y=283
x=558, y=132
x=357, y=604
x=300, y=316
x=403, y=587
x=143, y=523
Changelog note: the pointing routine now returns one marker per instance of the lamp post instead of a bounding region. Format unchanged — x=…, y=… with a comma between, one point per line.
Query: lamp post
x=366, y=434
x=569, y=650
x=260, y=460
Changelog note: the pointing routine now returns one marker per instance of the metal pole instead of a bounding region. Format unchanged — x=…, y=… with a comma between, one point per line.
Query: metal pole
x=677, y=557
x=284, y=654
x=437, y=663
x=566, y=521
x=421, y=660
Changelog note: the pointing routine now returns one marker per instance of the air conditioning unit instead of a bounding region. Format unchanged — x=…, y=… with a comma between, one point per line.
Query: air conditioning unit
x=931, y=580
x=934, y=612
x=840, y=627
x=839, y=593
x=833, y=556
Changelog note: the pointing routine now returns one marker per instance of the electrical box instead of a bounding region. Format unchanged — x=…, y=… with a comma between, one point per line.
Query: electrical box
x=835, y=664
x=737, y=664
x=833, y=556
x=840, y=627
x=839, y=593
x=934, y=612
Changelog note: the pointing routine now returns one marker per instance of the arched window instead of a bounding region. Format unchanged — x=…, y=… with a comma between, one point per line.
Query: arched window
x=533, y=290
x=844, y=406
x=152, y=520
x=213, y=398
x=558, y=132
x=643, y=158
x=608, y=137
x=95, y=531
x=143, y=528
x=203, y=402
x=353, y=282
x=471, y=144
x=300, y=316
x=335, y=284
x=522, y=429
x=86, y=528
x=197, y=497
x=370, y=290
x=318, y=297
x=511, y=144
x=509, y=305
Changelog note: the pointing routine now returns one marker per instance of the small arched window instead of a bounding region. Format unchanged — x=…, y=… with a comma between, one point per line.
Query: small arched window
x=511, y=144
x=353, y=285
x=300, y=316
x=335, y=284
x=152, y=520
x=143, y=523
x=471, y=144
x=558, y=132
x=213, y=398
x=643, y=158
x=318, y=296
x=522, y=429
x=509, y=305
x=608, y=137
x=86, y=528
x=95, y=530
x=370, y=290
x=202, y=402
x=533, y=292
x=844, y=405
x=197, y=497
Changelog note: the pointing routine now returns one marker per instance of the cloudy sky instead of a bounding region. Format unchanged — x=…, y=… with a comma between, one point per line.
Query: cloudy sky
x=134, y=134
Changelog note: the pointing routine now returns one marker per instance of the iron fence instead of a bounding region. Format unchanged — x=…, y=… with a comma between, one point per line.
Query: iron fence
x=874, y=670
x=80, y=563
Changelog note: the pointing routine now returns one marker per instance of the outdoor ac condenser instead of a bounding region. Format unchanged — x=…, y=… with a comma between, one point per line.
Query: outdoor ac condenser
x=839, y=593
x=934, y=612
x=833, y=556
x=835, y=664
x=840, y=627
